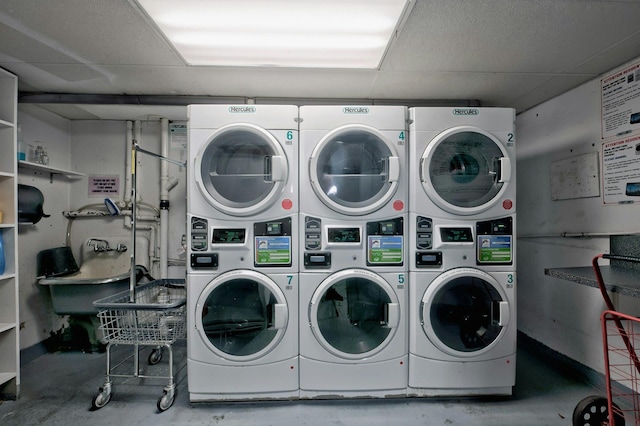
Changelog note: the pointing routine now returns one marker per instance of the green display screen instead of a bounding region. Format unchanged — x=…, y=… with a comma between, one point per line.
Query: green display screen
x=456, y=235
x=229, y=236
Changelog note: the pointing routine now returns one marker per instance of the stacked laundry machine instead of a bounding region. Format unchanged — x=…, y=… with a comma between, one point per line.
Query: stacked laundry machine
x=353, y=263
x=242, y=239
x=462, y=303
x=350, y=251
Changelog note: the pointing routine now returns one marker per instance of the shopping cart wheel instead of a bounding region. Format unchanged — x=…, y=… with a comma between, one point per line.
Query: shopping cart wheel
x=166, y=400
x=101, y=399
x=592, y=411
x=155, y=356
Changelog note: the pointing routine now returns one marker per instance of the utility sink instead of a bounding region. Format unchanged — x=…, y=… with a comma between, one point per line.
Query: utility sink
x=104, y=271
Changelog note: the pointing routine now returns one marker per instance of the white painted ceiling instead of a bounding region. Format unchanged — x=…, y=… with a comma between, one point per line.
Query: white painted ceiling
x=512, y=53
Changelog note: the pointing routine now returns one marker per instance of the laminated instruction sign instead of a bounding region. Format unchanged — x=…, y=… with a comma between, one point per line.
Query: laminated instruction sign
x=385, y=249
x=495, y=248
x=620, y=93
x=272, y=250
x=621, y=170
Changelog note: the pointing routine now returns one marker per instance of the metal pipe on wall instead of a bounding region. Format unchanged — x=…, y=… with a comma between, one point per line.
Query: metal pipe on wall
x=127, y=156
x=164, y=198
x=577, y=235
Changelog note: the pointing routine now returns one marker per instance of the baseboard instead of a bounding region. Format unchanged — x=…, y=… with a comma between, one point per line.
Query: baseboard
x=32, y=352
x=568, y=366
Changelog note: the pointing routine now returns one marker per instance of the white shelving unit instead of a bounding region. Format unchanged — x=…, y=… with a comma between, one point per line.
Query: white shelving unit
x=9, y=316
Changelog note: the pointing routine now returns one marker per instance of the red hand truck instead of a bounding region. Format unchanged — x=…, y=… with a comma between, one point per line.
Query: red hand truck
x=621, y=342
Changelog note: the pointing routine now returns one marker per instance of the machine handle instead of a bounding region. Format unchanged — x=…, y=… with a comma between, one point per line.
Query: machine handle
x=503, y=313
x=423, y=171
x=279, y=318
x=276, y=168
x=393, y=168
x=392, y=315
x=505, y=169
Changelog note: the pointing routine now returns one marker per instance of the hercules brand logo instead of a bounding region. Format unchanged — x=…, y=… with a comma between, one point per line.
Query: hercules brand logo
x=466, y=111
x=355, y=110
x=242, y=109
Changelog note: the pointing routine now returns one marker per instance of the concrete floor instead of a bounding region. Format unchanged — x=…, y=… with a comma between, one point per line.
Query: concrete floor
x=57, y=389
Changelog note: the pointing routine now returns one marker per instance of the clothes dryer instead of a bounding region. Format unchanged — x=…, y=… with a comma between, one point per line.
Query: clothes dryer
x=243, y=161
x=353, y=161
x=353, y=308
x=462, y=319
x=462, y=162
x=242, y=301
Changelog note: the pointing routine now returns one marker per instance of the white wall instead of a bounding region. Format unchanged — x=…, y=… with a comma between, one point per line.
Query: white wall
x=95, y=148
x=36, y=315
x=561, y=314
x=99, y=148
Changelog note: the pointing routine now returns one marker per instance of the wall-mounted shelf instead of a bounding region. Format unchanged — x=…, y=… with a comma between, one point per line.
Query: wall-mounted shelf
x=617, y=279
x=48, y=169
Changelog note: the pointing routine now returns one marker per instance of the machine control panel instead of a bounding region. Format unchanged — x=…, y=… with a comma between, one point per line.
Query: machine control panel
x=204, y=260
x=317, y=260
x=200, y=259
x=312, y=233
x=274, y=228
x=459, y=234
x=385, y=242
x=314, y=259
x=341, y=235
x=424, y=233
x=199, y=229
x=428, y=259
x=228, y=236
x=273, y=243
x=495, y=242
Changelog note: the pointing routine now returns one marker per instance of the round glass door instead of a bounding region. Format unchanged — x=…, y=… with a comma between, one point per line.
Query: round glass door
x=242, y=315
x=464, y=170
x=241, y=169
x=354, y=170
x=354, y=314
x=464, y=313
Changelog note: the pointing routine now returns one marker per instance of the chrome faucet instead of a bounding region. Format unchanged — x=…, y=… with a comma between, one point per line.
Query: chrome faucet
x=103, y=245
x=99, y=245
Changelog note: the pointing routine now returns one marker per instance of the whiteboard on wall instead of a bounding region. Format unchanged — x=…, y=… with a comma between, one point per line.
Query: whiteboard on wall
x=575, y=177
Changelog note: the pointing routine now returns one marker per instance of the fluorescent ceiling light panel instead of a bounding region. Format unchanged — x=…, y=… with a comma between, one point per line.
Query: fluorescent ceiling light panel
x=279, y=33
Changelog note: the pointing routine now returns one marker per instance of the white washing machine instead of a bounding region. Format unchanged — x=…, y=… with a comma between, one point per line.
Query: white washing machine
x=462, y=162
x=353, y=161
x=242, y=301
x=462, y=319
x=243, y=161
x=353, y=308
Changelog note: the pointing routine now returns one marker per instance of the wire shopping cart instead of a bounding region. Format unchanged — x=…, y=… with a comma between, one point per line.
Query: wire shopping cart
x=155, y=318
x=621, y=342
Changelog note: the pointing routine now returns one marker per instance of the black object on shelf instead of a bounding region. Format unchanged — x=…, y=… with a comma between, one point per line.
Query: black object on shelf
x=30, y=204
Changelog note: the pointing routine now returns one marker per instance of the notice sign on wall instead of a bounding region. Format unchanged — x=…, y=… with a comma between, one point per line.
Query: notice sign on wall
x=620, y=93
x=104, y=186
x=178, y=135
x=621, y=170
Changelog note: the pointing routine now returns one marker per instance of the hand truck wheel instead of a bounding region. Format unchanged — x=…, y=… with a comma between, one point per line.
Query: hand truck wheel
x=593, y=411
